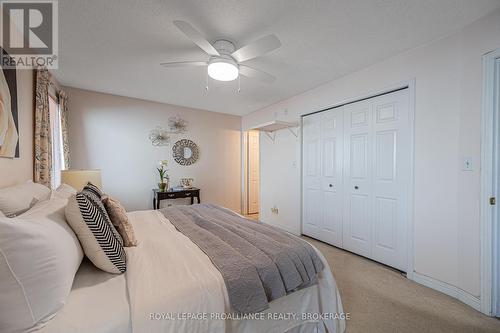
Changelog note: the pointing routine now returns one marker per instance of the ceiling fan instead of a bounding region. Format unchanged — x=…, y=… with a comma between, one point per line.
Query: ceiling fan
x=225, y=61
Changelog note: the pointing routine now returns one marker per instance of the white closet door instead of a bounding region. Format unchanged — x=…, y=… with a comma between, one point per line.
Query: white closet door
x=311, y=168
x=391, y=166
x=253, y=172
x=331, y=175
x=357, y=178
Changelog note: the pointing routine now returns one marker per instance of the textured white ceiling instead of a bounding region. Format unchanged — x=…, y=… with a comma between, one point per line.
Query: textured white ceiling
x=115, y=46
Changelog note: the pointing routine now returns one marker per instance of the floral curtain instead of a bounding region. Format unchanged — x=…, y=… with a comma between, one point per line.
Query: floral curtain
x=42, y=135
x=63, y=107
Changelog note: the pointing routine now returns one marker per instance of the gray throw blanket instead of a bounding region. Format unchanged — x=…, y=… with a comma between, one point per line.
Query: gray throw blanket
x=258, y=263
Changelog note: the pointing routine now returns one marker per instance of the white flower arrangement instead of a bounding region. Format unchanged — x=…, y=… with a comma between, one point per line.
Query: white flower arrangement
x=162, y=170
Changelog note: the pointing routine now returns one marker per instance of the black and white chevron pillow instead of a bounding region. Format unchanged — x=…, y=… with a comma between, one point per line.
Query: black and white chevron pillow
x=93, y=189
x=100, y=241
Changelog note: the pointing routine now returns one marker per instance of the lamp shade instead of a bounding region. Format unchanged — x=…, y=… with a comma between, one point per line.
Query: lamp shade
x=79, y=178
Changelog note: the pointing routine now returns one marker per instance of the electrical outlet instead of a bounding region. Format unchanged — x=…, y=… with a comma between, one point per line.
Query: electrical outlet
x=467, y=164
x=274, y=210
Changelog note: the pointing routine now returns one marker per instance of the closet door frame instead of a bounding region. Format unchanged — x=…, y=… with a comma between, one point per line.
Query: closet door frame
x=410, y=85
x=490, y=162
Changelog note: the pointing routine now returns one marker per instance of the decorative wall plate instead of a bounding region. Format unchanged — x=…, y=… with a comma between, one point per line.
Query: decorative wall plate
x=185, y=152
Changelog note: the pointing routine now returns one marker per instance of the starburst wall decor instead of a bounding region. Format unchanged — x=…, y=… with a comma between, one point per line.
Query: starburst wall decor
x=160, y=136
x=177, y=125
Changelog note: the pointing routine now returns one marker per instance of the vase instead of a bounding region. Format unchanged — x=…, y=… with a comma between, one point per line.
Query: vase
x=162, y=186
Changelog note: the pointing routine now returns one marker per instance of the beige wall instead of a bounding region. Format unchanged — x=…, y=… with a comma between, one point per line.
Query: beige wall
x=110, y=133
x=448, y=76
x=13, y=171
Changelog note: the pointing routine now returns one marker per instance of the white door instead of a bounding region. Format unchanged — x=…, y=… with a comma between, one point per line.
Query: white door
x=356, y=176
x=331, y=176
x=312, y=219
x=322, y=176
x=253, y=172
x=391, y=174
x=496, y=191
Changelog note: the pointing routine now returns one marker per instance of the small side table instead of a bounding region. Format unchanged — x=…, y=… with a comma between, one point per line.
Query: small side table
x=174, y=194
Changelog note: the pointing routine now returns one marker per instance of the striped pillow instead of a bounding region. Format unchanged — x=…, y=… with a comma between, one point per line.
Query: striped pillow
x=100, y=241
x=93, y=189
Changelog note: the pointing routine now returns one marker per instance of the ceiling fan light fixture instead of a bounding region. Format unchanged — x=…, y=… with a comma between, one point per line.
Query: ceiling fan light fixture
x=223, y=69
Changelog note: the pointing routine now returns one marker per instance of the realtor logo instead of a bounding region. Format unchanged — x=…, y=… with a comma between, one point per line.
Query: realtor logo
x=29, y=34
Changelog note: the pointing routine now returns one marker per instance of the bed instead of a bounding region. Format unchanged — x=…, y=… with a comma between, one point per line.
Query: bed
x=172, y=286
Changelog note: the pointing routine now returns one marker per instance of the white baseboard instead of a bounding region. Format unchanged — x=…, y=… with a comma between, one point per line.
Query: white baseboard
x=449, y=290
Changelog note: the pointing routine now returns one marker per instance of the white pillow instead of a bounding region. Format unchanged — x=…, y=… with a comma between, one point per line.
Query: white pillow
x=45, y=208
x=39, y=257
x=64, y=191
x=17, y=199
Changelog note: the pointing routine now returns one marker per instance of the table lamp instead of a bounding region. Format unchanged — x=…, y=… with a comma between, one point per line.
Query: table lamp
x=79, y=178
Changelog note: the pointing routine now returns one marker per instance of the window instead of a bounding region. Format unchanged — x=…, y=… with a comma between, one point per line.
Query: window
x=57, y=142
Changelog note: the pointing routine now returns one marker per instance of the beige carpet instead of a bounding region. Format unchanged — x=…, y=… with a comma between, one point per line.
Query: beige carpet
x=382, y=300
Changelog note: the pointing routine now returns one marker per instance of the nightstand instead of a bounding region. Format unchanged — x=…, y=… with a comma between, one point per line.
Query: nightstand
x=175, y=194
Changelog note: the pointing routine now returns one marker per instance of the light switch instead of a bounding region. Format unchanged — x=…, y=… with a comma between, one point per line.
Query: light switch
x=467, y=164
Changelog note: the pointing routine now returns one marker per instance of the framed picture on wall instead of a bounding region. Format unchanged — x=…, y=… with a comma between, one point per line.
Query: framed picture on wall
x=9, y=122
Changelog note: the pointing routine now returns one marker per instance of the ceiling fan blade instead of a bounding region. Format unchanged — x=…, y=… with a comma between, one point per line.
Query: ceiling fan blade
x=184, y=64
x=256, y=74
x=196, y=37
x=256, y=49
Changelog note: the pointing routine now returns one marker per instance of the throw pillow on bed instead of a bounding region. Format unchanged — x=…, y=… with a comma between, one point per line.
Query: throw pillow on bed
x=17, y=199
x=100, y=241
x=39, y=257
x=93, y=189
x=64, y=191
x=119, y=218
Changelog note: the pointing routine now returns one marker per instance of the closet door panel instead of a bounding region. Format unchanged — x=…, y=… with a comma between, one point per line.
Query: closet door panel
x=358, y=156
x=385, y=223
x=312, y=210
x=312, y=188
x=391, y=165
x=331, y=176
x=357, y=178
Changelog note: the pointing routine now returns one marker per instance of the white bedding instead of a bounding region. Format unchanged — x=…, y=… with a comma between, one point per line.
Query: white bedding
x=168, y=276
x=98, y=303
